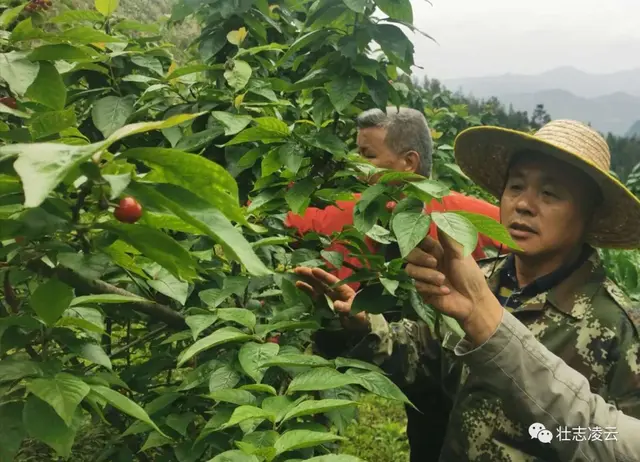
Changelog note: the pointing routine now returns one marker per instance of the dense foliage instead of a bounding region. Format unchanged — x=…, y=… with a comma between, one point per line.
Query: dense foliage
x=138, y=292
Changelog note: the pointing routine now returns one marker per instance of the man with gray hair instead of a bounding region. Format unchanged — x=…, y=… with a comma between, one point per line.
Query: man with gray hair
x=399, y=140
x=405, y=135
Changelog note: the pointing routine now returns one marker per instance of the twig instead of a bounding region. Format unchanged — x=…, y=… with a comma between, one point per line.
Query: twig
x=118, y=351
x=157, y=311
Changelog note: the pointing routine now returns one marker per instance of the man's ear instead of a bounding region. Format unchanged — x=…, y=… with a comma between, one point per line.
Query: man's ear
x=412, y=161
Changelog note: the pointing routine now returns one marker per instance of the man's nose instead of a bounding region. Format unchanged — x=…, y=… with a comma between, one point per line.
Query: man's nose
x=525, y=203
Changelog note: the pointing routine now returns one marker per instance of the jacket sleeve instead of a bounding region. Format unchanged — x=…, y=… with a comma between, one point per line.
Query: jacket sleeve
x=406, y=350
x=544, y=389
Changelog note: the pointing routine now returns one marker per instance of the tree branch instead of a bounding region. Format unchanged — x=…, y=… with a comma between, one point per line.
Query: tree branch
x=157, y=311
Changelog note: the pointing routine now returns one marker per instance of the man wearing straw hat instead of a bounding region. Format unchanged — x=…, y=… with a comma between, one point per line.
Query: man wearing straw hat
x=558, y=201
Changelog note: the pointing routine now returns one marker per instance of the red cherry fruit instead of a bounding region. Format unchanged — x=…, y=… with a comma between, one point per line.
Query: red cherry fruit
x=19, y=239
x=129, y=210
x=391, y=205
x=291, y=184
x=9, y=102
x=274, y=339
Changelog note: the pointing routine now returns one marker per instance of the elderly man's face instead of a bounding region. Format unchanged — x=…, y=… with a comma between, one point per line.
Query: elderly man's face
x=372, y=147
x=546, y=206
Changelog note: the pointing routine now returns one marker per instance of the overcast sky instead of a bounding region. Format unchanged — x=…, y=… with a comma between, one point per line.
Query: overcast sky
x=488, y=37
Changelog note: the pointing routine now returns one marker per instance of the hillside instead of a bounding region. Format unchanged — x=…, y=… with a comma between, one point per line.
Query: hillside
x=610, y=102
x=581, y=84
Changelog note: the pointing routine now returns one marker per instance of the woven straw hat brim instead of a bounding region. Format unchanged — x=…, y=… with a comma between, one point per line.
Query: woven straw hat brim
x=484, y=155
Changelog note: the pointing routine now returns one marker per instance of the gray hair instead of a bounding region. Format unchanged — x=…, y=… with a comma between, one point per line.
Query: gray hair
x=407, y=130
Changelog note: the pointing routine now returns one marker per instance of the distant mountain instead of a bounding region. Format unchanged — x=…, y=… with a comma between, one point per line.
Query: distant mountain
x=562, y=78
x=609, y=102
x=634, y=130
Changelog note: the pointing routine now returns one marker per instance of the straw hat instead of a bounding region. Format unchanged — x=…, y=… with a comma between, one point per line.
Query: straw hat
x=484, y=154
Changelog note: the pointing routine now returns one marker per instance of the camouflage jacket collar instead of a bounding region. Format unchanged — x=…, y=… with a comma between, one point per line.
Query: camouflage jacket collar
x=571, y=296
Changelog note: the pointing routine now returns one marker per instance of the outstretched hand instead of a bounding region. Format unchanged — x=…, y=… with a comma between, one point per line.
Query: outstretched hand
x=446, y=279
x=319, y=282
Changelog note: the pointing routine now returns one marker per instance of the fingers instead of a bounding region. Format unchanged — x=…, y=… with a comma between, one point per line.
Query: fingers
x=324, y=277
x=306, y=288
x=430, y=290
x=450, y=244
x=419, y=257
x=432, y=247
x=426, y=275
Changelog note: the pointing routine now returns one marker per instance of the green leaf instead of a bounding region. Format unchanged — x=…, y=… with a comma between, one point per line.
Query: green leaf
x=107, y=7
x=118, y=184
x=234, y=456
x=219, y=337
x=458, y=228
x=297, y=360
x=321, y=378
x=410, y=229
x=350, y=362
x=255, y=134
x=91, y=266
x=242, y=316
x=238, y=76
x=111, y=113
x=311, y=407
x=299, y=439
x=62, y=51
x=51, y=299
x=252, y=355
x=8, y=16
x=205, y=178
x=63, y=393
x=43, y=423
x=148, y=62
x=242, y=413
x=106, y=298
x=186, y=70
x=238, y=397
x=335, y=458
x=259, y=387
x=490, y=228
x=397, y=9
x=390, y=284
x=45, y=124
x=93, y=353
x=379, y=385
x=299, y=196
x=180, y=422
x=48, y=87
x=233, y=123
x=298, y=44
x=18, y=71
x=167, y=284
x=343, y=90
x=86, y=35
x=158, y=246
x=155, y=440
x=427, y=190
x=373, y=300
x=16, y=369
x=42, y=166
x=273, y=125
x=125, y=405
x=200, y=322
x=223, y=378
x=358, y=6
x=13, y=431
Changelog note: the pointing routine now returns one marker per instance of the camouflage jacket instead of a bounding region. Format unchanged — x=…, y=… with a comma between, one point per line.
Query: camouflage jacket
x=586, y=320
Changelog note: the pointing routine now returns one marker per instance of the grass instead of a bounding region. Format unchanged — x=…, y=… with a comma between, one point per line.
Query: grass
x=380, y=433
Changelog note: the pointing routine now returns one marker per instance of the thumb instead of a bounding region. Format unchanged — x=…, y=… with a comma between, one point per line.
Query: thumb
x=450, y=246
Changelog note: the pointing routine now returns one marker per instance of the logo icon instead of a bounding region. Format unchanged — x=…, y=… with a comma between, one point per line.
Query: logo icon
x=540, y=433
